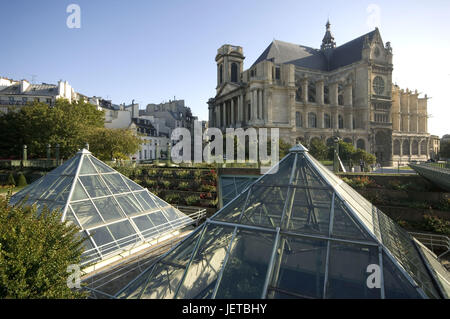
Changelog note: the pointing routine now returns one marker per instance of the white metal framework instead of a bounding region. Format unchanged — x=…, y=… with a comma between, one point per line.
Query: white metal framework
x=297, y=232
x=113, y=212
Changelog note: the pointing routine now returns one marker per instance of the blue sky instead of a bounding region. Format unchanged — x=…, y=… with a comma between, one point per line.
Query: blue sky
x=151, y=51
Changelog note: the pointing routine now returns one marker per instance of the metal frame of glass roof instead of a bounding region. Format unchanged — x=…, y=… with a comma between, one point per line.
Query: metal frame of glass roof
x=296, y=232
x=113, y=212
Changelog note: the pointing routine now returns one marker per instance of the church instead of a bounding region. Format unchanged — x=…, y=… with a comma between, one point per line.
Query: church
x=309, y=93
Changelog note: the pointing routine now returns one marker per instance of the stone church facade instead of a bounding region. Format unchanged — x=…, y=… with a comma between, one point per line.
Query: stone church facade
x=308, y=93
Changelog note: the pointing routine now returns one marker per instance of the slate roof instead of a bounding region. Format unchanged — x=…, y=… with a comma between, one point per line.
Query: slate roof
x=33, y=89
x=303, y=56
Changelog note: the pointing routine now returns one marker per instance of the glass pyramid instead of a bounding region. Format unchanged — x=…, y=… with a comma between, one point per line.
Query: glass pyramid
x=297, y=232
x=113, y=212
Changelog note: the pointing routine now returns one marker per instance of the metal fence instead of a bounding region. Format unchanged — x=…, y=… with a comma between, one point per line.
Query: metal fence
x=437, y=243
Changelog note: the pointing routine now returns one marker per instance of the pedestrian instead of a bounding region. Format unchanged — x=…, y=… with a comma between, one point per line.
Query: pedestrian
x=361, y=164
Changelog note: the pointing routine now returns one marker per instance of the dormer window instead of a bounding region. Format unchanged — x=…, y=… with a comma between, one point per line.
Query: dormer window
x=277, y=73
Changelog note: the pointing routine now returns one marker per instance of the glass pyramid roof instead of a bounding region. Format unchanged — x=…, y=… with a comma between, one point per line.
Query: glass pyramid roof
x=297, y=232
x=112, y=211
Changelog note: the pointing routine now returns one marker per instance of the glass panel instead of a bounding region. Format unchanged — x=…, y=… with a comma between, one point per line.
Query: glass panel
x=115, y=183
x=145, y=197
x=70, y=218
x=440, y=272
x=78, y=192
x=233, y=210
x=67, y=168
x=281, y=173
x=245, y=272
x=129, y=204
x=347, y=271
x=124, y=233
x=400, y=245
x=171, y=214
x=60, y=190
x=202, y=273
x=133, y=186
x=108, y=208
x=90, y=253
x=104, y=240
x=145, y=226
x=265, y=206
x=86, y=214
x=160, y=221
x=44, y=186
x=94, y=186
x=87, y=167
x=101, y=167
x=396, y=286
x=159, y=201
x=345, y=226
x=310, y=212
x=143, y=202
x=162, y=280
x=302, y=268
x=306, y=175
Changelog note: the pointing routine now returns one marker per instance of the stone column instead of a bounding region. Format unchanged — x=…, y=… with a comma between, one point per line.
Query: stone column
x=304, y=84
x=333, y=93
x=224, y=115
x=348, y=95
x=260, y=104
x=217, y=124
x=320, y=121
x=232, y=122
x=335, y=123
x=319, y=92
x=254, y=105
x=239, y=109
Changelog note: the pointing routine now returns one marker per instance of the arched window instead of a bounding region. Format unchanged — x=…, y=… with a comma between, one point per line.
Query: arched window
x=341, y=121
x=312, y=120
x=327, y=120
x=298, y=119
x=423, y=147
x=415, y=148
x=405, y=147
x=298, y=93
x=326, y=94
x=340, y=94
x=312, y=92
x=361, y=144
x=220, y=74
x=396, y=147
x=234, y=72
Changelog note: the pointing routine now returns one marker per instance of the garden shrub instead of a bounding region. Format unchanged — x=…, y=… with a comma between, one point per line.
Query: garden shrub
x=11, y=181
x=35, y=252
x=22, y=181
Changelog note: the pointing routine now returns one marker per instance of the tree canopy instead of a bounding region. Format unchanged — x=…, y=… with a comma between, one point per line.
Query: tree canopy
x=35, y=252
x=70, y=125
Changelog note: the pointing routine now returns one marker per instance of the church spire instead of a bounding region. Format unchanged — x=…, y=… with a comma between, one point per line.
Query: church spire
x=328, y=39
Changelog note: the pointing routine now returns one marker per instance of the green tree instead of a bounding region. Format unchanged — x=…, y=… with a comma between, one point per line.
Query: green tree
x=318, y=149
x=22, y=181
x=360, y=154
x=35, y=252
x=107, y=144
x=38, y=125
x=284, y=148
